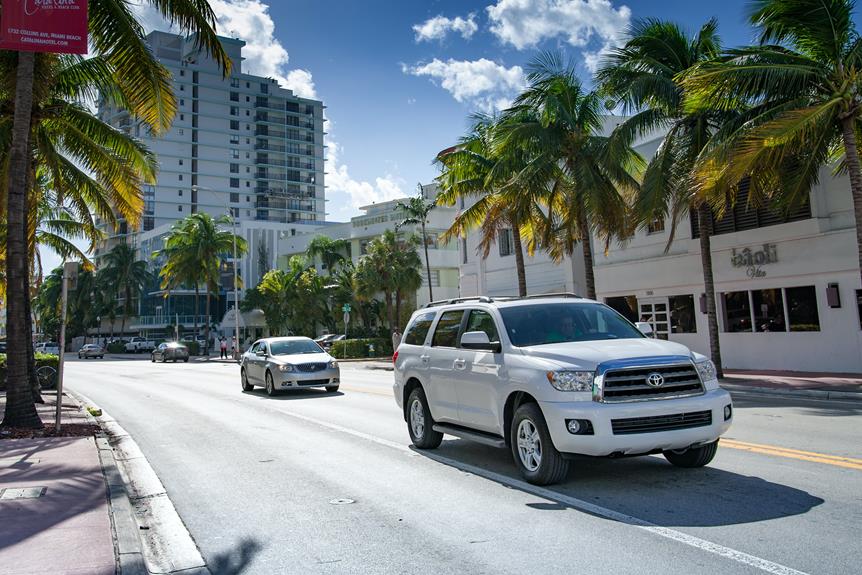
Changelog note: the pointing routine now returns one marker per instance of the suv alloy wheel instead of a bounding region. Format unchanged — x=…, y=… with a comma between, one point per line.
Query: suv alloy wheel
x=420, y=423
x=532, y=449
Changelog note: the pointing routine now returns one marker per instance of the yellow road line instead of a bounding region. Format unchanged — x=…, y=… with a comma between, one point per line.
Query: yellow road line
x=848, y=462
x=366, y=390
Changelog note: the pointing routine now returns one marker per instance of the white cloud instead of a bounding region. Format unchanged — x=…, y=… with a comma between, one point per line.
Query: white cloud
x=525, y=23
x=437, y=27
x=359, y=192
x=481, y=83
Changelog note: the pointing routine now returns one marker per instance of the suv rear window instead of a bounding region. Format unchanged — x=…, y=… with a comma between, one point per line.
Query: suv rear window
x=418, y=330
x=446, y=333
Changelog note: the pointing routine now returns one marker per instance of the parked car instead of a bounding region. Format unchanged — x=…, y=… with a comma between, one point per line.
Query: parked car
x=2, y=347
x=170, y=351
x=320, y=340
x=140, y=345
x=91, y=350
x=278, y=363
x=48, y=347
x=552, y=377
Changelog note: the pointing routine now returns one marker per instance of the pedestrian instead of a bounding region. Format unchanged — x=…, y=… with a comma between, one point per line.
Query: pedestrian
x=223, y=345
x=396, y=339
x=233, y=346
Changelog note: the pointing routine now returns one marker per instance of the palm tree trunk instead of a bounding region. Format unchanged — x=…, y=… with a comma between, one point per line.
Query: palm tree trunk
x=197, y=304
x=587, y=247
x=390, y=310
x=35, y=388
x=704, y=220
x=397, y=308
x=855, y=171
x=20, y=409
x=207, y=327
x=519, y=259
x=427, y=263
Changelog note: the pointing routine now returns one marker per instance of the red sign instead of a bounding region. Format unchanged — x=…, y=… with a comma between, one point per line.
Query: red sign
x=44, y=26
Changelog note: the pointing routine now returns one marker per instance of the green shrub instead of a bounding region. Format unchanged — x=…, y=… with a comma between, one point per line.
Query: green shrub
x=194, y=347
x=41, y=359
x=117, y=347
x=355, y=348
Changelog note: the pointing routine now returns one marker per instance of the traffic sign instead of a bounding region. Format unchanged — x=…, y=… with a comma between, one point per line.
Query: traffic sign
x=346, y=308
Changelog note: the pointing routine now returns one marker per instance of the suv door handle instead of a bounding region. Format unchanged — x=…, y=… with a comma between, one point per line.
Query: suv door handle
x=460, y=363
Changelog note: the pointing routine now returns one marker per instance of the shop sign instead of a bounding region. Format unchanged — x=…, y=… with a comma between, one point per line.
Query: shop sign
x=44, y=26
x=753, y=260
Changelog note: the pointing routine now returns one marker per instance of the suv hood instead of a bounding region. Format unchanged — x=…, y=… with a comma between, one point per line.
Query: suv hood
x=587, y=355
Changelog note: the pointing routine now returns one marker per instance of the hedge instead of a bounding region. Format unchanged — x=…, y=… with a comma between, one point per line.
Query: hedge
x=41, y=359
x=354, y=348
x=117, y=347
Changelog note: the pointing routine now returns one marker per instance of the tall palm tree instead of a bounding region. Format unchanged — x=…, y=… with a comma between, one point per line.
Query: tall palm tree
x=804, y=77
x=588, y=174
x=416, y=210
x=330, y=251
x=194, y=251
x=644, y=77
x=128, y=276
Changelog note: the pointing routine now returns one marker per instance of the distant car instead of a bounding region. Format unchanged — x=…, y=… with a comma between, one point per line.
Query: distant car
x=139, y=345
x=279, y=363
x=91, y=350
x=171, y=350
x=327, y=345
x=49, y=347
x=320, y=340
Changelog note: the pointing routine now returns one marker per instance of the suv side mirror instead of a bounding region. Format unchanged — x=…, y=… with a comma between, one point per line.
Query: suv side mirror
x=479, y=340
x=645, y=328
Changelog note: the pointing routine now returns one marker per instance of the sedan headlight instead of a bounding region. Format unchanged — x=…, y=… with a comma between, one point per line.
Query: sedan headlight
x=571, y=380
x=333, y=364
x=707, y=373
x=285, y=367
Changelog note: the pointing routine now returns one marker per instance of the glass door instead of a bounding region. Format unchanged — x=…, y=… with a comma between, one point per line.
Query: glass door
x=655, y=312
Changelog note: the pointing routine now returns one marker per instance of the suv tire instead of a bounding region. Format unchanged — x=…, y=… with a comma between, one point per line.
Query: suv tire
x=694, y=456
x=420, y=423
x=532, y=449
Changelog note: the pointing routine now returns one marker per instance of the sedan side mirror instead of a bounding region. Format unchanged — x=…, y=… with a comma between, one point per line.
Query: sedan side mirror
x=260, y=353
x=479, y=340
x=645, y=328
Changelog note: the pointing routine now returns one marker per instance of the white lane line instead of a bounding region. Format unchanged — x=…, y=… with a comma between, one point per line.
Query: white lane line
x=586, y=506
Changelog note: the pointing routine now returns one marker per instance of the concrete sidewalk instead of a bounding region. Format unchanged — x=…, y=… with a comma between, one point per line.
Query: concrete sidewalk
x=824, y=385
x=63, y=525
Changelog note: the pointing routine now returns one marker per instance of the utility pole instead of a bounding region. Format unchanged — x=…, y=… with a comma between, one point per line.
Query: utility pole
x=70, y=273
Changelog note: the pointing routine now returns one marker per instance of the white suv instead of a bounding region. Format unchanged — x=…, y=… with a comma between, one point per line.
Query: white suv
x=555, y=376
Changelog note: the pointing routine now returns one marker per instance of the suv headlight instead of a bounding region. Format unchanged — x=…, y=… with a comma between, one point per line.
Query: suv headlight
x=285, y=367
x=333, y=364
x=707, y=373
x=571, y=380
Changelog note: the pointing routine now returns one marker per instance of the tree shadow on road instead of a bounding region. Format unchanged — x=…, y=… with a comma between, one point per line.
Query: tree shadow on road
x=293, y=394
x=235, y=561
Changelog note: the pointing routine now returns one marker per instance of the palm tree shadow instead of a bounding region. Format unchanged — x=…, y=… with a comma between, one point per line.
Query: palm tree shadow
x=235, y=561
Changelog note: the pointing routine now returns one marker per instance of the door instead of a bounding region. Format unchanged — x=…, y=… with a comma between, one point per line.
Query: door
x=254, y=363
x=477, y=377
x=441, y=393
x=655, y=312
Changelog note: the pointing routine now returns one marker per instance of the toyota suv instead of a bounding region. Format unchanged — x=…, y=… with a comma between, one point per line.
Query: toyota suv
x=553, y=377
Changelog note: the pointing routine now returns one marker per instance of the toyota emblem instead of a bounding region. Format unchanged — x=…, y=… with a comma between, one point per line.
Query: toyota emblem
x=655, y=380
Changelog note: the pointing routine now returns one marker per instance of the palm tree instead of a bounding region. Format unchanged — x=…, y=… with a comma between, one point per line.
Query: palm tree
x=194, y=251
x=804, y=78
x=644, y=77
x=416, y=210
x=330, y=251
x=128, y=275
x=587, y=174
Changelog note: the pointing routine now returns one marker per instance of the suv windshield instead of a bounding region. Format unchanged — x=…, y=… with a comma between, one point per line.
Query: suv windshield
x=298, y=346
x=540, y=324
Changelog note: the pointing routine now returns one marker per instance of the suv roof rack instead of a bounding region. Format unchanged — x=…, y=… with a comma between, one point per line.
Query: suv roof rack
x=481, y=298
x=554, y=294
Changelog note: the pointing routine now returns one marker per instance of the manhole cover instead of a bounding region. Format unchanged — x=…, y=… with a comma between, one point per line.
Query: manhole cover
x=22, y=493
x=342, y=501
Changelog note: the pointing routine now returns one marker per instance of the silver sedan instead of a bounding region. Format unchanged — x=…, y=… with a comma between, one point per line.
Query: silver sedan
x=278, y=363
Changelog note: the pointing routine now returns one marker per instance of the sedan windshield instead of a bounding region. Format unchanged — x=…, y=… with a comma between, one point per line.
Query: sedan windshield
x=542, y=324
x=294, y=347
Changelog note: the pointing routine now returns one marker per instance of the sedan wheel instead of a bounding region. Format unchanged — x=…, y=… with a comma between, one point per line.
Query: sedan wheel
x=270, y=386
x=246, y=386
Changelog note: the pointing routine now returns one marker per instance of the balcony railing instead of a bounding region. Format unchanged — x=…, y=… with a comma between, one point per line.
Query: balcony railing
x=153, y=321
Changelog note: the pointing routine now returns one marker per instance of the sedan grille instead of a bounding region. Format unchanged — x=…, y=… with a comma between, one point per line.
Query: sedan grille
x=311, y=367
x=656, y=423
x=653, y=382
x=311, y=382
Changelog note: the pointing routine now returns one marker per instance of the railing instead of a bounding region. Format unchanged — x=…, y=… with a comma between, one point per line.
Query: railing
x=146, y=321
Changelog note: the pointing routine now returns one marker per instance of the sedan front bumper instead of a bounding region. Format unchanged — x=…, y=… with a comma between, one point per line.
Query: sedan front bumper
x=296, y=379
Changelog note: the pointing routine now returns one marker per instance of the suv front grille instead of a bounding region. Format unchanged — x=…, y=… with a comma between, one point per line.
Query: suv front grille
x=655, y=423
x=630, y=384
x=311, y=367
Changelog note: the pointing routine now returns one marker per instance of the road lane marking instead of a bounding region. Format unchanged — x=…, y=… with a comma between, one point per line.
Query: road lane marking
x=366, y=390
x=573, y=502
x=848, y=462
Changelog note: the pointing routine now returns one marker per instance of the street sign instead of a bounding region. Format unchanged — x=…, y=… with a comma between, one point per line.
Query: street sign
x=346, y=308
x=44, y=26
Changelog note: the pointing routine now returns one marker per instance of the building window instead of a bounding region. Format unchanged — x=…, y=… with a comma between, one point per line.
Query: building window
x=180, y=132
x=181, y=161
x=248, y=184
x=505, y=240
x=248, y=169
x=435, y=278
x=626, y=305
x=234, y=97
x=682, y=318
x=234, y=212
x=234, y=168
x=234, y=154
x=363, y=247
x=180, y=193
x=182, y=72
x=234, y=182
x=656, y=226
x=182, y=117
x=234, y=138
x=737, y=312
x=182, y=102
x=234, y=111
x=179, y=208
x=768, y=306
x=802, y=308
x=234, y=124
x=234, y=198
x=181, y=177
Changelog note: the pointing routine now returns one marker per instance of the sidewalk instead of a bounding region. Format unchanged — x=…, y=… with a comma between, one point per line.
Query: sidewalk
x=62, y=526
x=824, y=385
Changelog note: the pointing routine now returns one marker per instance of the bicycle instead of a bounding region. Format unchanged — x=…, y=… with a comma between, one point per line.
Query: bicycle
x=47, y=377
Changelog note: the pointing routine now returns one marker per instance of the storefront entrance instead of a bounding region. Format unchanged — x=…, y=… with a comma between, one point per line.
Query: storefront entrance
x=654, y=311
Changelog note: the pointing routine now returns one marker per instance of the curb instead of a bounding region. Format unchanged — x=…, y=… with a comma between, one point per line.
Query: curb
x=150, y=537
x=815, y=393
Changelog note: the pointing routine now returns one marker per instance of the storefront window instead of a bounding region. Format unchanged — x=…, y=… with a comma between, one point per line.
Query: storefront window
x=682, y=319
x=802, y=308
x=737, y=312
x=768, y=310
x=626, y=305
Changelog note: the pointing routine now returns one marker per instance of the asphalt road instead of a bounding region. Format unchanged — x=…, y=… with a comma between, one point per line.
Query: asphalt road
x=258, y=482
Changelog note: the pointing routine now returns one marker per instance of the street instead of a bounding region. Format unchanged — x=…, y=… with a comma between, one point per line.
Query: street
x=311, y=482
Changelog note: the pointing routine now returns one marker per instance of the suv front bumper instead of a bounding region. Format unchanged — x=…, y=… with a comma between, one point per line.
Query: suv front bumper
x=604, y=442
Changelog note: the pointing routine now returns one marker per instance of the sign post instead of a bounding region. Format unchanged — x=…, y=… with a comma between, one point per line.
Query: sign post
x=70, y=278
x=346, y=309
